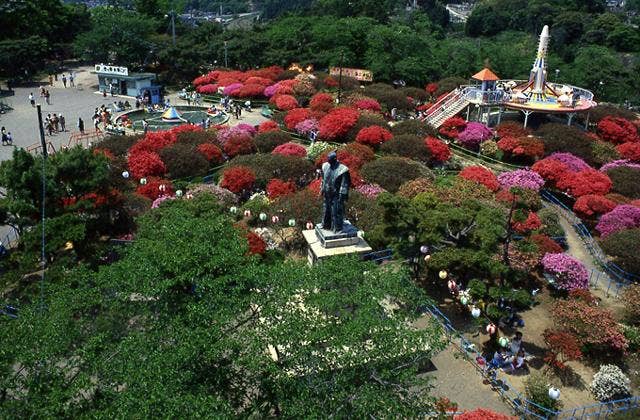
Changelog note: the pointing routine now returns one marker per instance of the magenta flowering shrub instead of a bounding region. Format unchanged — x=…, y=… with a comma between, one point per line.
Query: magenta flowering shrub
x=232, y=88
x=370, y=190
x=619, y=163
x=622, y=217
x=156, y=203
x=269, y=91
x=306, y=126
x=569, y=273
x=474, y=134
x=573, y=162
x=247, y=128
x=227, y=133
x=521, y=178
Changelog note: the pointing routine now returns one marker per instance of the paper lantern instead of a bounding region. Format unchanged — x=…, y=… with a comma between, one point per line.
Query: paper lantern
x=143, y=181
x=503, y=341
x=125, y=174
x=442, y=274
x=247, y=213
x=179, y=193
x=451, y=284
x=233, y=209
x=464, y=300
x=424, y=249
x=162, y=187
x=491, y=329
x=263, y=216
x=475, y=312
x=427, y=257
x=275, y=219
x=309, y=225
x=292, y=222
x=554, y=393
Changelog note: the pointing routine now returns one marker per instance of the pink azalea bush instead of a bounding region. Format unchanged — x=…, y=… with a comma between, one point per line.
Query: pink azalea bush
x=573, y=162
x=306, y=126
x=569, y=273
x=619, y=163
x=156, y=203
x=232, y=88
x=247, y=128
x=370, y=190
x=521, y=178
x=290, y=149
x=622, y=217
x=269, y=91
x=474, y=134
x=227, y=133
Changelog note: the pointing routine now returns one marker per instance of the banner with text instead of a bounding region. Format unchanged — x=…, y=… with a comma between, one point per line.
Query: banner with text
x=358, y=74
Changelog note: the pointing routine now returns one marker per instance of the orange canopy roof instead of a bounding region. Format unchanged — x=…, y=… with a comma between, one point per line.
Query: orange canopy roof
x=485, y=75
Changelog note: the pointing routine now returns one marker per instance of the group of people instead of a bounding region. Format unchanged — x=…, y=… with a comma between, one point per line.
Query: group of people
x=100, y=115
x=44, y=93
x=512, y=359
x=7, y=139
x=191, y=97
x=71, y=79
x=54, y=123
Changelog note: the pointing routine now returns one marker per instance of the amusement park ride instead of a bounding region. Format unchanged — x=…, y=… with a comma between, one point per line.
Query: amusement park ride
x=527, y=96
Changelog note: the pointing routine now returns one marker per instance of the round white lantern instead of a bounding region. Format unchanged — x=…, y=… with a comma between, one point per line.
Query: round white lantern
x=162, y=187
x=491, y=329
x=292, y=222
x=247, y=213
x=503, y=341
x=554, y=393
x=424, y=249
x=275, y=219
x=475, y=312
x=263, y=216
x=143, y=181
x=427, y=257
x=233, y=209
x=179, y=193
x=442, y=274
x=125, y=174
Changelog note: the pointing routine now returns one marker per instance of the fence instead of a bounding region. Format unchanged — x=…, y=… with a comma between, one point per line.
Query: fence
x=612, y=274
x=520, y=404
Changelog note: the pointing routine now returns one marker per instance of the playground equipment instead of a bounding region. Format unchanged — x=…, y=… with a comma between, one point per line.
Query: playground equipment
x=173, y=116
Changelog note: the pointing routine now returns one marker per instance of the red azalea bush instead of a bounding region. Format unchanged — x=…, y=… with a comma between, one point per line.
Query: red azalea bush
x=551, y=170
x=431, y=88
x=586, y=181
x=352, y=161
x=482, y=176
x=438, y=150
x=143, y=163
x=322, y=102
x=152, y=190
x=295, y=116
x=532, y=222
x=630, y=151
x=593, y=205
x=268, y=126
x=257, y=80
x=368, y=104
x=337, y=123
x=238, y=179
x=361, y=151
x=154, y=141
x=257, y=246
x=617, y=130
x=452, y=127
x=249, y=91
x=284, y=102
x=207, y=89
x=512, y=129
x=545, y=244
x=523, y=146
x=211, y=152
x=373, y=135
x=279, y=188
x=562, y=347
x=290, y=149
x=240, y=144
x=482, y=414
x=315, y=186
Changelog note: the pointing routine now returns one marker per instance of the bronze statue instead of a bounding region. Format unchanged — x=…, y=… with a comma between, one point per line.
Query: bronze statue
x=335, y=191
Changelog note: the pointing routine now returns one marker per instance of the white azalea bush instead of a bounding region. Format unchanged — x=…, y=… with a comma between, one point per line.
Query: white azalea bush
x=610, y=383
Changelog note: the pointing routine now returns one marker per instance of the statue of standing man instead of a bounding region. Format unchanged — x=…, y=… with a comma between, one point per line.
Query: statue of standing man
x=335, y=191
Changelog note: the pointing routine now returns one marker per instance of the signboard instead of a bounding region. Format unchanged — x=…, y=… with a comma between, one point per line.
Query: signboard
x=358, y=74
x=105, y=69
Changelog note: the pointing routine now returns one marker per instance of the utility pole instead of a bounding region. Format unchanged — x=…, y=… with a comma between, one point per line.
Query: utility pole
x=44, y=195
x=226, y=58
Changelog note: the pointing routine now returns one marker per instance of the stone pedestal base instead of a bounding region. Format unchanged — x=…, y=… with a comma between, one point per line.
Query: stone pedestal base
x=347, y=236
x=338, y=246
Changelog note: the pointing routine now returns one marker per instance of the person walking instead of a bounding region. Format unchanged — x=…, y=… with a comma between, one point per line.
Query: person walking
x=51, y=80
x=4, y=136
x=9, y=139
x=47, y=97
x=145, y=125
x=80, y=125
x=64, y=80
x=71, y=80
x=62, y=123
x=32, y=100
x=96, y=124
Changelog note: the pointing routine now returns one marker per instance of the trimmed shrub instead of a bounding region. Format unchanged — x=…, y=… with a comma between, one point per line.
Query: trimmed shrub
x=414, y=127
x=284, y=102
x=473, y=134
x=373, y=136
x=631, y=300
x=290, y=149
x=512, y=129
x=482, y=176
x=626, y=181
x=388, y=97
x=366, y=119
x=591, y=205
x=144, y=163
x=322, y=102
x=303, y=206
x=622, y=217
x=267, y=141
x=562, y=138
x=569, y=273
x=438, y=150
x=521, y=178
x=610, y=384
x=195, y=138
x=604, y=152
x=629, y=151
x=119, y=145
x=238, y=179
x=417, y=186
x=622, y=246
x=391, y=172
x=452, y=127
x=268, y=166
x=268, y=126
x=182, y=160
x=295, y=116
x=408, y=146
x=537, y=390
x=278, y=188
x=337, y=123
x=362, y=152
x=151, y=189
x=239, y=145
x=617, y=130
x=605, y=110
x=587, y=181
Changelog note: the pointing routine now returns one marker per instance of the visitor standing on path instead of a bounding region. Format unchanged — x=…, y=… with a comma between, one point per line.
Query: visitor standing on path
x=9, y=139
x=51, y=80
x=64, y=80
x=145, y=125
x=4, y=136
x=62, y=123
x=47, y=97
x=32, y=100
x=71, y=80
x=80, y=125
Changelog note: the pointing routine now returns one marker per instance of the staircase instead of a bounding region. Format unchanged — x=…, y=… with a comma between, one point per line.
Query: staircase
x=445, y=108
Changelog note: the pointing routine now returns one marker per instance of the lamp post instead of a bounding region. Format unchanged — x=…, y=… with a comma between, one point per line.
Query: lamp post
x=226, y=58
x=557, y=73
x=43, y=144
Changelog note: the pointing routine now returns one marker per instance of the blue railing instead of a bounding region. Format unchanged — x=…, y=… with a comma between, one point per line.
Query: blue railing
x=614, y=272
x=499, y=382
x=379, y=256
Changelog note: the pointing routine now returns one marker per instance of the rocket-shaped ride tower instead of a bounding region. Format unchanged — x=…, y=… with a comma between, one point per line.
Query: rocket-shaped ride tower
x=537, y=88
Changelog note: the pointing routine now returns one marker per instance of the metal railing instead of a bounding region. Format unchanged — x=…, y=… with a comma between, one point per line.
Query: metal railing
x=500, y=383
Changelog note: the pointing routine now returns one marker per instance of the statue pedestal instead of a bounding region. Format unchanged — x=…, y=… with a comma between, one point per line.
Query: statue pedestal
x=324, y=243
